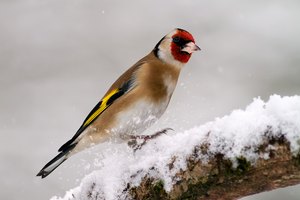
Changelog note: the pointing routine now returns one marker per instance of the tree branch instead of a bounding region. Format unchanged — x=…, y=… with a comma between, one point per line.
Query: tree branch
x=218, y=179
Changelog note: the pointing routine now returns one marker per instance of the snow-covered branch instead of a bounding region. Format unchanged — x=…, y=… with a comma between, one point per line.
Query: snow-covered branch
x=246, y=152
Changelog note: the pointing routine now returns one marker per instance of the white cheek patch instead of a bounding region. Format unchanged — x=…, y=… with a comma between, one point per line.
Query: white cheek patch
x=167, y=57
x=164, y=53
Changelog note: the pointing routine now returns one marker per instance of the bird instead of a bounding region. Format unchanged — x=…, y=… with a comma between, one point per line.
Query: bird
x=136, y=100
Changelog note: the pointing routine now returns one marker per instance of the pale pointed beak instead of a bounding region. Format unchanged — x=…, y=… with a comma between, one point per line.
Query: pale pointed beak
x=190, y=47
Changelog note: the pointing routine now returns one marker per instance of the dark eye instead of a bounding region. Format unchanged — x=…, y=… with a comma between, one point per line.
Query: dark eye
x=176, y=40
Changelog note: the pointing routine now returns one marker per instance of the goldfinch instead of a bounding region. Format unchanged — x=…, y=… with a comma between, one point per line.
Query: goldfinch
x=135, y=101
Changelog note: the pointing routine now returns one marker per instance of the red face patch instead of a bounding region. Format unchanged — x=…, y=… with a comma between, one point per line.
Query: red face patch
x=181, y=38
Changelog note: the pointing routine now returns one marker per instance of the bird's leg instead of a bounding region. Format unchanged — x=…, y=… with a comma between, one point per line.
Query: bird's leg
x=134, y=140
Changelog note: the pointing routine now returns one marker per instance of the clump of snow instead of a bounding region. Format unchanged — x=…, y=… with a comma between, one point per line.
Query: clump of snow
x=238, y=134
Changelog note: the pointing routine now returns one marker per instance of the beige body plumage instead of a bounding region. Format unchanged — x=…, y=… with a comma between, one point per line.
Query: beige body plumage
x=135, y=101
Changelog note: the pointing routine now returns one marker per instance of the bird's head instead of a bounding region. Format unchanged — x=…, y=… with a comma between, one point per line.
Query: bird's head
x=176, y=47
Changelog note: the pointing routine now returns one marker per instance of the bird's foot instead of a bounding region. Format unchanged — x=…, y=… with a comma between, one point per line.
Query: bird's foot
x=136, y=142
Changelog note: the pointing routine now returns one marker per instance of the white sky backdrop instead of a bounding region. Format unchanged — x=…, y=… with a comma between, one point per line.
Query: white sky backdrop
x=58, y=57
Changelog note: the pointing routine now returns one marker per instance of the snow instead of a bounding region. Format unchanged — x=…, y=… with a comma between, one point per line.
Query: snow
x=234, y=135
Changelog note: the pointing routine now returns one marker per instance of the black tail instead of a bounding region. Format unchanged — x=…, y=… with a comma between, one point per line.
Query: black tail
x=55, y=162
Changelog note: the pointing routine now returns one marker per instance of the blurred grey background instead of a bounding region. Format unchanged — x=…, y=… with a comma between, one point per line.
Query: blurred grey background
x=58, y=57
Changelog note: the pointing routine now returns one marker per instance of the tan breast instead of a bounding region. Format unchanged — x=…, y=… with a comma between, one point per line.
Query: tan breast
x=157, y=80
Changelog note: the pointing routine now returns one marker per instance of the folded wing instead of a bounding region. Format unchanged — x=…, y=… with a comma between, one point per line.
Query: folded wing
x=106, y=101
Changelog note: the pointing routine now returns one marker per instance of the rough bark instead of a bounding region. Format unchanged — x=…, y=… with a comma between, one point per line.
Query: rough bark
x=218, y=179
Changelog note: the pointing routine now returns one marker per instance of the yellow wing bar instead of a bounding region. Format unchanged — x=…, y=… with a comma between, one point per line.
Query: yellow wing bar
x=98, y=110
